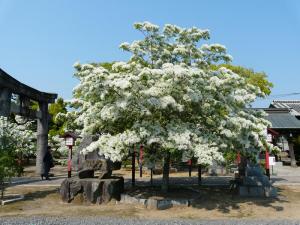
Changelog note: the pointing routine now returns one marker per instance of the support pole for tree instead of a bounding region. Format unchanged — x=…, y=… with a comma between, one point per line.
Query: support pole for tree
x=70, y=162
x=151, y=177
x=199, y=174
x=166, y=170
x=133, y=168
x=267, y=164
x=238, y=158
x=190, y=167
x=141, y=160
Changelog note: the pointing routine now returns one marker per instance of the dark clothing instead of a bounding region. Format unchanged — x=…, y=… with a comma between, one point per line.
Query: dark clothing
x=48, y=164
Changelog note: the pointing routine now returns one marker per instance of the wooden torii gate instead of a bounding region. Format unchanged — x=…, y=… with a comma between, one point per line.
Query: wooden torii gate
x=9, y=86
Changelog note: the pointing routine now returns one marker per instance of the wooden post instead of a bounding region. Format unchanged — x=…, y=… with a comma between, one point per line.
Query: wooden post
x=141, y=160
x=190, y=167
x=151, y=176
x=133, y=168
x=5, y=102
x=199, y=174
x=166, y=171
x=70, y=162
x=238, y=158
x=42, y=137
x=267, y=164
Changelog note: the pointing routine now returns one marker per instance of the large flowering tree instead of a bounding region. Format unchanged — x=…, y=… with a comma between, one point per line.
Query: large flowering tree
x=168, y=95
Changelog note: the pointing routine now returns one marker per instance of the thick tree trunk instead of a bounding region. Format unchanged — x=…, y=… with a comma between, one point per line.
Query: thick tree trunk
x=166, y=171
x=133, y=168
x=292, y=155
x=242, y=166
x=199, y=174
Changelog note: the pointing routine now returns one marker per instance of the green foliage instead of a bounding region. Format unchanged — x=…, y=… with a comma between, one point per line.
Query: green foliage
x=56, y=127
x=258, y=79
x=106, y=65
x=9, y=166
x=230, y=157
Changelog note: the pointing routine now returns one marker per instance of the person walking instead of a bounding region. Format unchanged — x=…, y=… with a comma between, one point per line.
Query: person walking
x=48, y=163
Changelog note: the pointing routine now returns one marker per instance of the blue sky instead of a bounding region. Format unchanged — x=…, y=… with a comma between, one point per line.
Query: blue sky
x=41, y=40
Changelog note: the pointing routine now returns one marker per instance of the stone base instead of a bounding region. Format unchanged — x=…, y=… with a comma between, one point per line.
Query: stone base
x=257, y=191
x=158, y=204
x=256, y=181
x=92, y=190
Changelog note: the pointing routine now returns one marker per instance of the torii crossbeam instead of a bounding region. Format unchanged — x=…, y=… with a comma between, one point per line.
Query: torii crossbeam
x=9, y=86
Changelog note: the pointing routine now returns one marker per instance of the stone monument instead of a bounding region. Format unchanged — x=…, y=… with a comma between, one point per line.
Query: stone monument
x=94, y=182
x=255, y=184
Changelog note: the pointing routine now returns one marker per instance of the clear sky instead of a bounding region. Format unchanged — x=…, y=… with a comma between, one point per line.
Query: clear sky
x=41, y=40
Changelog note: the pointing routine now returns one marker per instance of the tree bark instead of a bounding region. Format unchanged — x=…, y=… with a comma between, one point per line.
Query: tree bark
x=166, y=171
x=292, y=155
x=199, y=174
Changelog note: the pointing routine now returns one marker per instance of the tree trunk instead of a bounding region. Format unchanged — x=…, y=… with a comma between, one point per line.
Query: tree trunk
x=292, y=155
x=166, y=170
x=199, y=174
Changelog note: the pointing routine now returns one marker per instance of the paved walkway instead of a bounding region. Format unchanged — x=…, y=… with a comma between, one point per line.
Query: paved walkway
x=284, y=176
x=122, y=221
x=56, y=181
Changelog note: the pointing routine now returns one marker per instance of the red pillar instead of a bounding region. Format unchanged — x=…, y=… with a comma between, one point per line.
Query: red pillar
x=190, y=167
x=238, y=158
x=267, y=164
x=70, y=162
x=141, y=160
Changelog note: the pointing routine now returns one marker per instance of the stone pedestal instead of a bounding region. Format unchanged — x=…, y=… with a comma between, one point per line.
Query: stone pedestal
x=92, y=190
x=256, y=184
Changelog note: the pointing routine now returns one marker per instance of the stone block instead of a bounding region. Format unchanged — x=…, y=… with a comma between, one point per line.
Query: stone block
x=105, y=174
x=270, y=192
x=248, y=191
x=93, y=190
x=159, y=204
x=111, y=189
x=86, y=173
x=252, y=171
x=256, y=181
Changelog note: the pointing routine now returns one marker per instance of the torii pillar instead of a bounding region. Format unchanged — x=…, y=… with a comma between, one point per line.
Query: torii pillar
x=5, y=98
x=9, y=86
x=42, y=137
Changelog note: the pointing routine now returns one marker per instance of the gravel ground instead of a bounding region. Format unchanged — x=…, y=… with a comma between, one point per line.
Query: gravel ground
x=108, y=221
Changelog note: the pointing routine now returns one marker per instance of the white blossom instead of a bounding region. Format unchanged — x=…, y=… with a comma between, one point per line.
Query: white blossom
x=167, y=94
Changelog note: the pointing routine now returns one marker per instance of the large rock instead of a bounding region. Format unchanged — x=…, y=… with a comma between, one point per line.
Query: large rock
x=256, y=181
x=102, y=165
x=86, y=173
x=256, y=184
x=93, y=160
x=92, y=190
x=257, y=191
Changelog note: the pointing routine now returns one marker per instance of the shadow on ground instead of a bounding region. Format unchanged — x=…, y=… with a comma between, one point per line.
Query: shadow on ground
x=35, y=195
x=214, y=194
x=225, y=200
